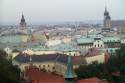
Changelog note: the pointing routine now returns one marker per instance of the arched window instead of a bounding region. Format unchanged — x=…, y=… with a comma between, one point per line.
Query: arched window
x=98, y=45
x=53, y=68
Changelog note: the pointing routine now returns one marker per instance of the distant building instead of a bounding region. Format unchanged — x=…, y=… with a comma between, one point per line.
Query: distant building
x=119, y=25
x=23, y=25
x=107, y=19
x=108, y=23
x=108, y=43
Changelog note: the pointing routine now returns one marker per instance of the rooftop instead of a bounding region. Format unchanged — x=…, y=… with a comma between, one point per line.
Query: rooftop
x=37, y=76
x=77, y=60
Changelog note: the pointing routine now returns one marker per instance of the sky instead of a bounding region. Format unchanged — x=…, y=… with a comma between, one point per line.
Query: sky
x=38, y=11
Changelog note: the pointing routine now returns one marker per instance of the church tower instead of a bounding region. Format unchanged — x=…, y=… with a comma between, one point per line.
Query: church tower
x=23, y=25
x=107, y=19
x=70, y=74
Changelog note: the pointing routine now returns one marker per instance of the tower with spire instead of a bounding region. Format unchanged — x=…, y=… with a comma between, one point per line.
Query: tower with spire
x=23, y=25
x=107, y=19
x=70, y=74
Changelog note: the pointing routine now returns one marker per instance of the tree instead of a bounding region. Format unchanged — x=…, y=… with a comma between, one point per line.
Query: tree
x=8, y=72
x=109, y=70
x=116, y=62
x=91, y=70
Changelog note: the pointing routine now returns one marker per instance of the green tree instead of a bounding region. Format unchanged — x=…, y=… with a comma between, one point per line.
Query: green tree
x=109, y=70
x=92, y=70
x=8, y=72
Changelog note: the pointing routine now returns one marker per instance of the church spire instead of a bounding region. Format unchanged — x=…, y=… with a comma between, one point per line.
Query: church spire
x=105, y=9
x=23, y=19
x=70, y=74
x=22, y=23
x=107, y=19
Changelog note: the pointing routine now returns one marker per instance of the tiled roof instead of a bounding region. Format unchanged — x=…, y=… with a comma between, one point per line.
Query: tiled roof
x=38, y=76
x=22, y=58
x=89, y=80
x=92, y=80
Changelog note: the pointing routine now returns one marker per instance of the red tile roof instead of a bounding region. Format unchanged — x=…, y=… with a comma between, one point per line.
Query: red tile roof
x=89, y=80
x=92, y=80
x=38, y=76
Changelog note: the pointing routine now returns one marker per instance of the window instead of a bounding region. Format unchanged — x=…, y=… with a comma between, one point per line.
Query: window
x=43, y=65
x=53, y=68
x=98, y=45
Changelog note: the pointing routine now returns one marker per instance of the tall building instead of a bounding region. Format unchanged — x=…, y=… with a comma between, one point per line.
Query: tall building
x=107, y=19
x=23, y=25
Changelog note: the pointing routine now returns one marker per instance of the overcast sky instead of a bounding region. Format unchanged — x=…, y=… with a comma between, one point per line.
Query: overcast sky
x=59, y=10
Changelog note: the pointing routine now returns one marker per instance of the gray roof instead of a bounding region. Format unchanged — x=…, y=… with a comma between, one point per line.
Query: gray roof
x=77, y=60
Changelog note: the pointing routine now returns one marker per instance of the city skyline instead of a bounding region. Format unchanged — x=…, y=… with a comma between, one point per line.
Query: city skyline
x=59, y=10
